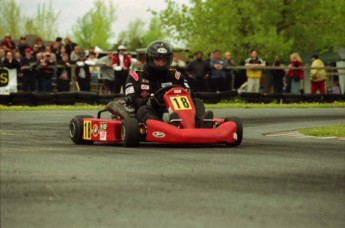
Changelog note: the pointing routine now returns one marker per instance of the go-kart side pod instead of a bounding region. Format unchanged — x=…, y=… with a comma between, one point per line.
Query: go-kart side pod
x=239, y=130
x=130, y=134
x=76, y=130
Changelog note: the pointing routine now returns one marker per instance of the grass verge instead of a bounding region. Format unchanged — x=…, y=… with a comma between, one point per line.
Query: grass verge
x=327, y=131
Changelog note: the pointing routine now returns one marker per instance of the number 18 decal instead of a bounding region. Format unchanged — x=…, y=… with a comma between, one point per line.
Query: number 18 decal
x=180, y=103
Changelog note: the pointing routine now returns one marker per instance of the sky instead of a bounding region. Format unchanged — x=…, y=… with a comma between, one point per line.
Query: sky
x=70, y=10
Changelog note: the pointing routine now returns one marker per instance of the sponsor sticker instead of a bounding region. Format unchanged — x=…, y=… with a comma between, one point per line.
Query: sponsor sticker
x=103, y=126
x=162, y=50
x=158, y=134
x=145, y=87
x=103, y=135
x=165, y=84
x=129, y=90
x=95, y=130
x=134, y=75
x=177, y=75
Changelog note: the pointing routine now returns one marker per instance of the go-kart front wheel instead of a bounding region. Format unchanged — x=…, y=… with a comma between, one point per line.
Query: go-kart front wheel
x=239, y=130
x=130, y=134
x=76, y=130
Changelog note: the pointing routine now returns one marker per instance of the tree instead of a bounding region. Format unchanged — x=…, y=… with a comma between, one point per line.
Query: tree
x=10, y=18
x=155, y=31
x=44, y=23
x=137, y=37
x=275, y=27
x=94, y=28
x=133, y=37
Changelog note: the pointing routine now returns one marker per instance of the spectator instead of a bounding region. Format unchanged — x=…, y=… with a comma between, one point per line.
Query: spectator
x=135, y=64
x=10, y=62
x=82, y=73
x=39, y=44
x=74, y=56
x=107, y=72
x=69, y=46
x=46, y=68
x=55, y=49
x=27, y=63
x=22, y=46
x=121, y=64
x=198, y=71
x=57, y=44
x=35, y=50
x=92, y=49
x=37, y=68
x=218, y=75
x=278, y=77
x=2, y=56
x=52, y=55
x=294, y=76
x=63, y=74
x=62, y=51
x=8, y=43
x=254, y=75
x=229, y=72
x=91, y=61
x=318, y=77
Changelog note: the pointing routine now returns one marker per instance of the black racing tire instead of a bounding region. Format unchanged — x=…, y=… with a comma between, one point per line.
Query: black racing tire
x=130, y=134
x=76, y=130
x=199, y=108
x=239, y=130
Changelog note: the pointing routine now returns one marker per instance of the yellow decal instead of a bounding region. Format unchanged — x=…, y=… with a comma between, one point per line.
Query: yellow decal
x=4, y=78
x=180, y=103
x=87, y=130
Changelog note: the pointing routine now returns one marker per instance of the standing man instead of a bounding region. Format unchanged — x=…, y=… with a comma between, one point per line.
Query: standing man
x=318, y=77
x=107, y=72
x=199, y=70
x=218, y=76
x=26, y=66
x=121, y=64
x=254, y=75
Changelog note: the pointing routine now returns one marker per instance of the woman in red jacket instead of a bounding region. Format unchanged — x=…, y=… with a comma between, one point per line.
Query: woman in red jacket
x=121, y=64
x=295, y=76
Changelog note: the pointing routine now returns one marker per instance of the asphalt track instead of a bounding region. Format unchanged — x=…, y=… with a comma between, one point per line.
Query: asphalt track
x=268, y=181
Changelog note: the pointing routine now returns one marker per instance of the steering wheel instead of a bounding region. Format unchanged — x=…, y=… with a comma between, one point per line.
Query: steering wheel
x=157, y=98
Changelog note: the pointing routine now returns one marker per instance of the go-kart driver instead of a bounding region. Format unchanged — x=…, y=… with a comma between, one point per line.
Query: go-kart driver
x=155, y=74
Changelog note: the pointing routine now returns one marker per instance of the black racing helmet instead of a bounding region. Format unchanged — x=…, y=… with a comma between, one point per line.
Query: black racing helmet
x=158, y=49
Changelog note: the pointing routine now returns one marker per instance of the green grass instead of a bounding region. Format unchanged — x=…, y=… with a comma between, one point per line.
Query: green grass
x=337, y=130
x=208, y=106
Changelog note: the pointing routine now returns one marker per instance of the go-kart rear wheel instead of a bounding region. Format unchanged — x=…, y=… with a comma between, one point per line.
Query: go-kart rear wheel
x=76, y=130
x=239, y=130
x=130, y=134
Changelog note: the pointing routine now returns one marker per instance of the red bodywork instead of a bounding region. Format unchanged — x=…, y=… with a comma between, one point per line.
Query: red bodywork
x=178, y=100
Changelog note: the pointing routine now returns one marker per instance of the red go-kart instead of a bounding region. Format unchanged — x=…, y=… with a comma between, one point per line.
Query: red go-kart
x=123, y=127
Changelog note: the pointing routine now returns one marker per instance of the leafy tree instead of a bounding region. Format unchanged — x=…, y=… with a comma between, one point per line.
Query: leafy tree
x=274, y=27
x=94, y=28
x=10, y=18
x=155, y=31
x=133, y=37
x=44, y=23
x=137, y=37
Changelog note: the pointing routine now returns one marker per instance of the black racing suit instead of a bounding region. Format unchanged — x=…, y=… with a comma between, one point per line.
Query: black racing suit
x=140, y=84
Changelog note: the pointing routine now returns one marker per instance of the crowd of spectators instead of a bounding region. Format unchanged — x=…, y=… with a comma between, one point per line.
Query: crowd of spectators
x=39, y=67
x=48, y=68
